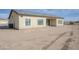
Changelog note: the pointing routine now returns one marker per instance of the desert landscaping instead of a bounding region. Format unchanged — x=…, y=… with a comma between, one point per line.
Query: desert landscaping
x=47, y=38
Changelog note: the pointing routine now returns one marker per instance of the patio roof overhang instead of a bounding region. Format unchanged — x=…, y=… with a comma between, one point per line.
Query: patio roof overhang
x=53, y=17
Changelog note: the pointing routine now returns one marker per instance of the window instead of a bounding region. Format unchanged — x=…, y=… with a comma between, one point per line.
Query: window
x=28, y=22
x=59, y=21
x=40, y=21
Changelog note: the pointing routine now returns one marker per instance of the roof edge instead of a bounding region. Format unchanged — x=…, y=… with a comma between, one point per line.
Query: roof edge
x=34, y=15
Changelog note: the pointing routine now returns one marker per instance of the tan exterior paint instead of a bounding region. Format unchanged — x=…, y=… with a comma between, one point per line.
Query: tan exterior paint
x=18, y=21
x=33, y=22
x=14, y=19
x=59, y=24
x=53, y=22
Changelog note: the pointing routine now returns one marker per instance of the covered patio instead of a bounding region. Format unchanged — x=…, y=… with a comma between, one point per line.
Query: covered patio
x=54, y=21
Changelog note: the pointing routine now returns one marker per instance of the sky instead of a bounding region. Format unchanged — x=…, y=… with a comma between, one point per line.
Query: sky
x=67, y=14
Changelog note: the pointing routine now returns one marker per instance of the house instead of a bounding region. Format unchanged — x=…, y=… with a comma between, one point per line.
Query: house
x=20, y=19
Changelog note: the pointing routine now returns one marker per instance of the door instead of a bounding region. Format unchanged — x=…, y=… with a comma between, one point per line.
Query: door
x=10, y=25
x=48, y=22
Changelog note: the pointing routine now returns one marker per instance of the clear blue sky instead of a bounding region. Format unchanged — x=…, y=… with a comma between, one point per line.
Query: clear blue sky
x=68, y=14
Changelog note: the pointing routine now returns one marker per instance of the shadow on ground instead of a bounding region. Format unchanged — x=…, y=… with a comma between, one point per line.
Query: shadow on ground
x=47, y=46
x=4, y=27
x=67, y=43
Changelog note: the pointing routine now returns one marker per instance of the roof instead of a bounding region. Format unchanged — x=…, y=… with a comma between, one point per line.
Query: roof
x=22, y=12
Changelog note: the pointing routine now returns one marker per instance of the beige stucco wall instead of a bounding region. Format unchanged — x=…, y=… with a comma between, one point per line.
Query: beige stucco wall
x=33, y=22
x=14, y=19
x=19, y=21
x=53, y=22
x=11, y=20
x=58, y=24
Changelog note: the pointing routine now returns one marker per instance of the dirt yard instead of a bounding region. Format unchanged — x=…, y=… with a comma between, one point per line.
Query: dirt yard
x=48, y=38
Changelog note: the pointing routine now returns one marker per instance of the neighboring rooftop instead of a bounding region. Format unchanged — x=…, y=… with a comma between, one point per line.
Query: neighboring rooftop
x=23, y=12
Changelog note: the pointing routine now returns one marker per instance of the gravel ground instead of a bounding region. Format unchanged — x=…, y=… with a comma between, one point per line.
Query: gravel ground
x=48, y=38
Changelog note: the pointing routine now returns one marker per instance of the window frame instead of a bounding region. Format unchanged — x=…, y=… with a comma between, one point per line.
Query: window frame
x=59, y=21
x=27, y=22
x=41, y=20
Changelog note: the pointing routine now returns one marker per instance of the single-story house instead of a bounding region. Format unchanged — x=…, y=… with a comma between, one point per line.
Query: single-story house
x=20, y=19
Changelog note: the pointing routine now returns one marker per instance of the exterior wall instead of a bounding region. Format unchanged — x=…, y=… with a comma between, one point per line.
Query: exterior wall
x=14, y=19
x=53, y=22
x=58, y=24
x=33, y=22
x=18, y=21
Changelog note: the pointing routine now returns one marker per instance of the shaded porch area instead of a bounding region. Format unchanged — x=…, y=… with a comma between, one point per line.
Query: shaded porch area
x=51, y=22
